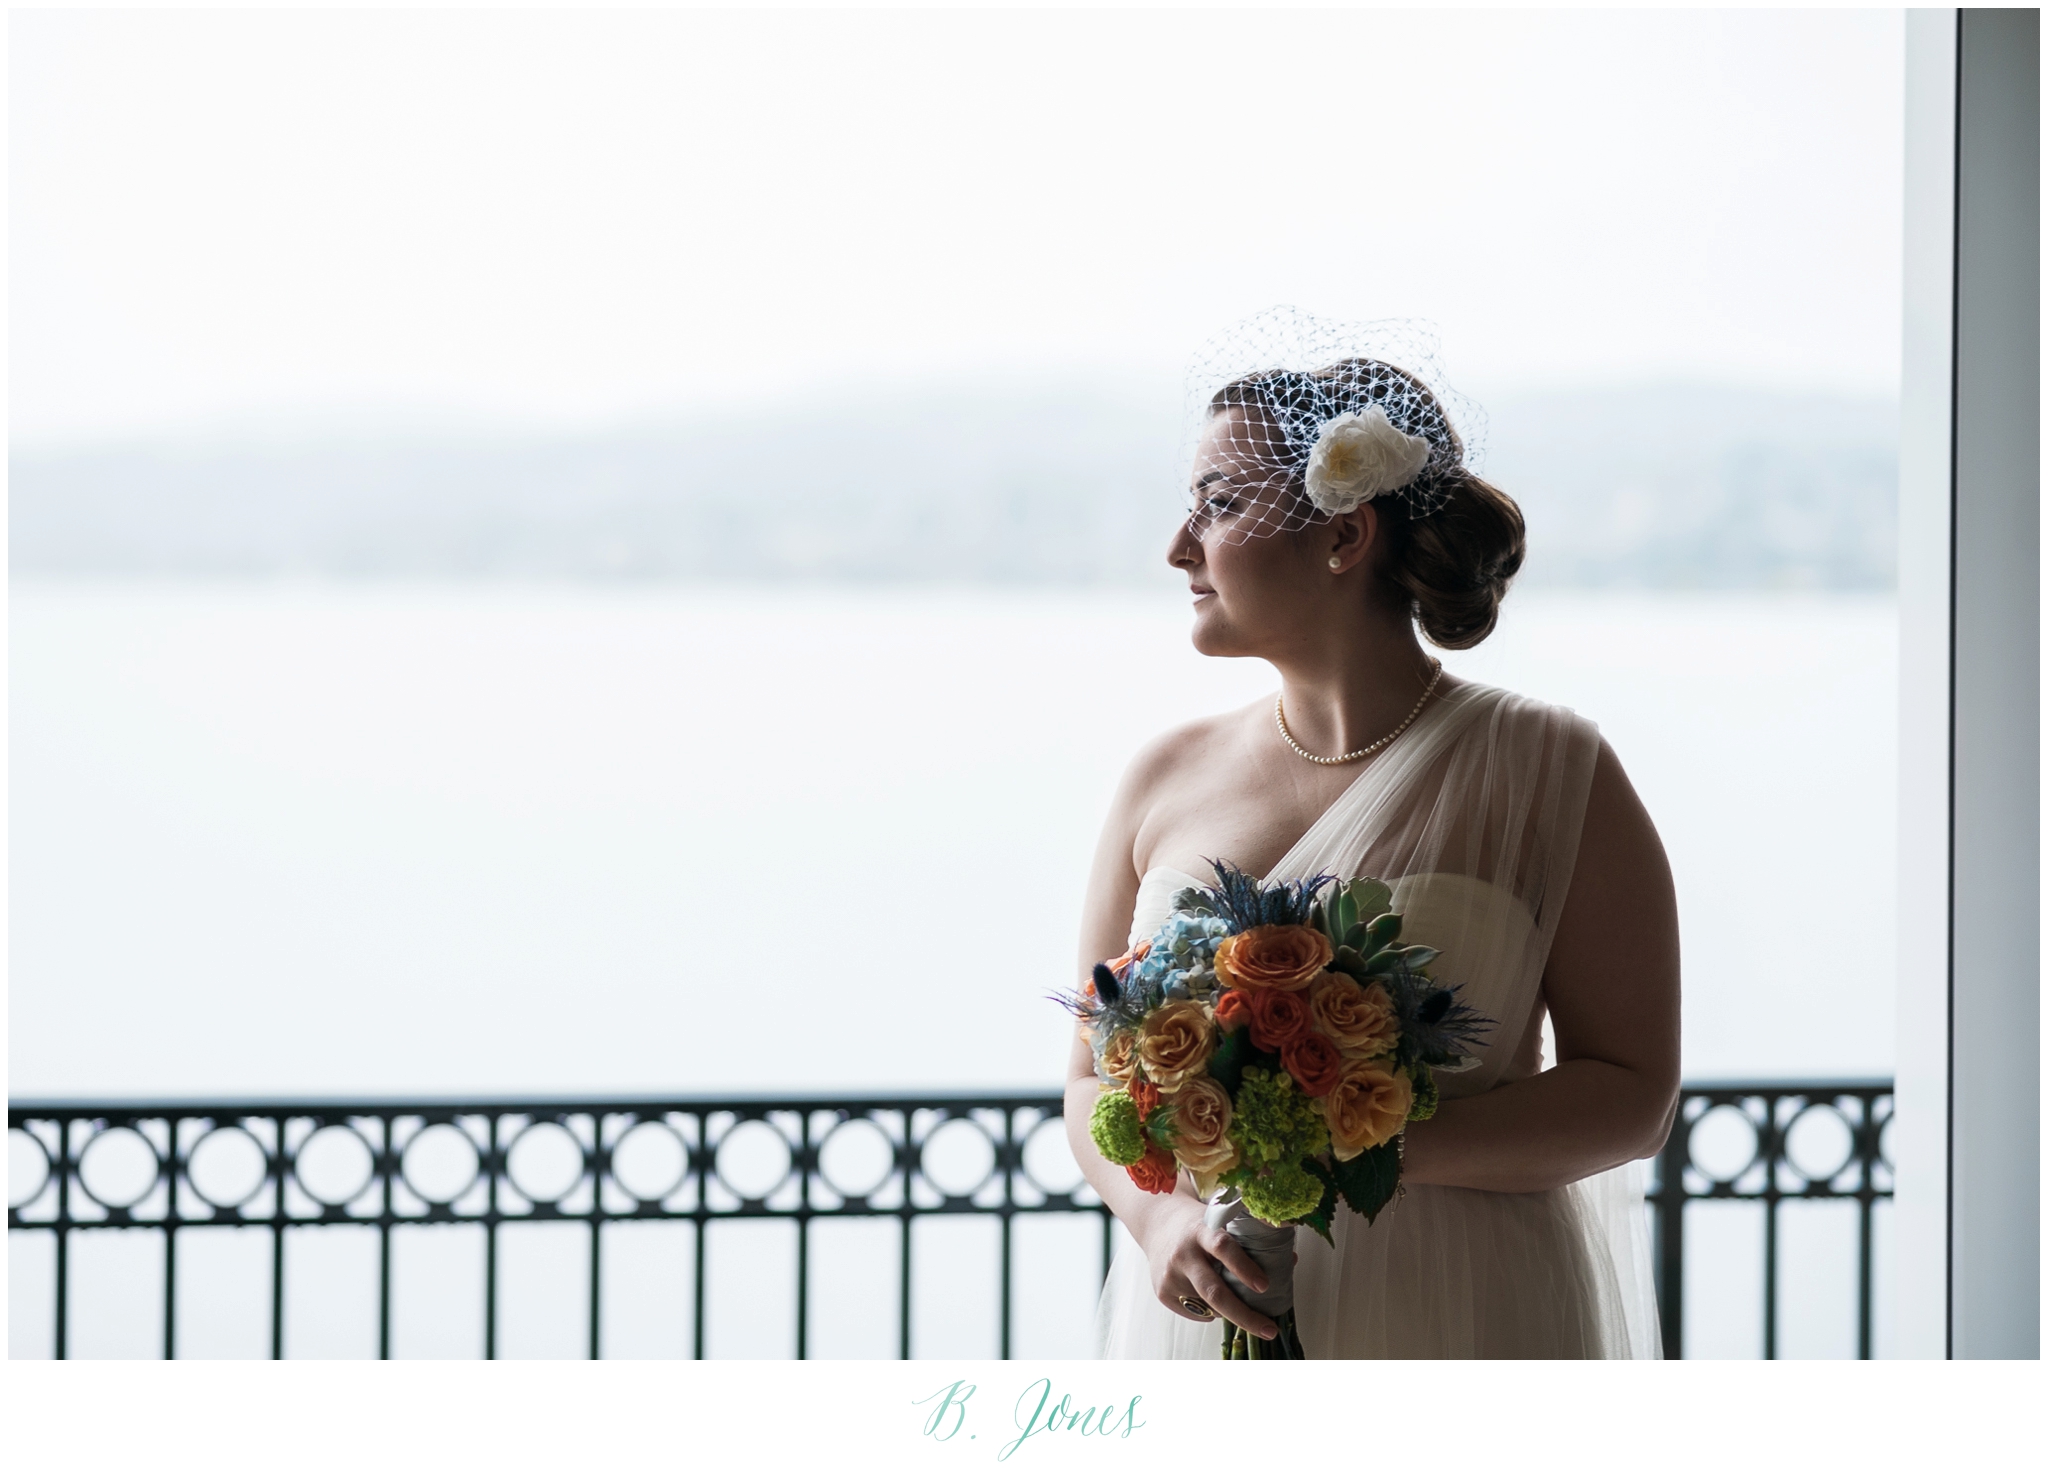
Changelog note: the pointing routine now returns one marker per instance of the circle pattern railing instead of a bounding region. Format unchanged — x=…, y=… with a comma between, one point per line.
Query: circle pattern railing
x=288, y=1165
x=1820, y=1142
x=366, y=1164
x=1768, y=1146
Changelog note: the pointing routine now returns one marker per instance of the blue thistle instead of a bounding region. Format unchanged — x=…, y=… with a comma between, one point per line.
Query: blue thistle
x=1437, y=1027
x=1248, y=904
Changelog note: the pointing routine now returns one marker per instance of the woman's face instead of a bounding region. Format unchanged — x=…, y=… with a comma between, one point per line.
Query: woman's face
x=1259, y=588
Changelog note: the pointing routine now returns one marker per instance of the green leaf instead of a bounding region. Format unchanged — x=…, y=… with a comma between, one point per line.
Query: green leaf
x=1380, y=932
x=1386, y=960
x=1415, y=958
x=1369, y=898
x=1159, y=1126
x=1193, y=899
x=1349, y=961
x=1226, y=1066
x=1326, y=1211
x=1369, y=1181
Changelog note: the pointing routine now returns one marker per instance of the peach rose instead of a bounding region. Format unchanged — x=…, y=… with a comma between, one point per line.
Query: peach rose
x=1175, y=1042
x=1233, y=1010
x=1314, y=1063
x=1368, y=1106
x=1278, y=1018
x=1155, y=1171
x=1201, y=1132
x=1358, y=1018
x=1120, y=1056
x=1276, y=956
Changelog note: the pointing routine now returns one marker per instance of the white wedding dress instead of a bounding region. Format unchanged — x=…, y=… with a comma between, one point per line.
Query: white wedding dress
x=1473, y=817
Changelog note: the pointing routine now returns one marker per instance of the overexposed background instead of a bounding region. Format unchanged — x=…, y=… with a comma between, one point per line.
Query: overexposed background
x=244, y=218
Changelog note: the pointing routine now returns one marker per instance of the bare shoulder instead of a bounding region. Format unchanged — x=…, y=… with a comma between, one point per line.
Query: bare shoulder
x=1171, y=757
x=1162, y=775
x=1168, y=774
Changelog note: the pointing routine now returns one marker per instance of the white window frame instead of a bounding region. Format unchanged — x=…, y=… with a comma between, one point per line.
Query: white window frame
x=1966, y=1137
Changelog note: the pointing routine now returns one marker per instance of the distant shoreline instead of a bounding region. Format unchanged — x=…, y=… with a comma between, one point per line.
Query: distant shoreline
x=1652, y=487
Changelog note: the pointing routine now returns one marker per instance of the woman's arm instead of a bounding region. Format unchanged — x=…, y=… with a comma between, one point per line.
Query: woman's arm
x=1612, y=988
x=1182, y=1251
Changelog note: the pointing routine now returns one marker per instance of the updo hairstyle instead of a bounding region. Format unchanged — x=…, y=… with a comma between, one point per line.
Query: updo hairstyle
x=1453, y=541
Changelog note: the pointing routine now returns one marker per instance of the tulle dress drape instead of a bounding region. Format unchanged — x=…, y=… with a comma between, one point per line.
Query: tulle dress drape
x=1473, y=816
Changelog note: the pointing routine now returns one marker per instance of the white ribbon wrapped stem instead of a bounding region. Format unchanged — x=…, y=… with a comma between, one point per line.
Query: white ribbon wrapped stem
x=1271, y=1247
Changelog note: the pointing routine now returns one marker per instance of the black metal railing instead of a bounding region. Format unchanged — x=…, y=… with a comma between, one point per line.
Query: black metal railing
x=1771, y=1144
x=285, y=1166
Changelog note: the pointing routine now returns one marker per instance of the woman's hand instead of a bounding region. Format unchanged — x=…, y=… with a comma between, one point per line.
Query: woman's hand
x=1188, y=1258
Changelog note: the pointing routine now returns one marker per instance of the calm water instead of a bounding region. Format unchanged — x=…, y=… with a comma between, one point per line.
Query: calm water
x=344, y=839
x=335, y=839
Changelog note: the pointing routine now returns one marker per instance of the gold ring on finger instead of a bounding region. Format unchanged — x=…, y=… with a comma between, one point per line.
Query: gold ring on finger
x=1197, y=1307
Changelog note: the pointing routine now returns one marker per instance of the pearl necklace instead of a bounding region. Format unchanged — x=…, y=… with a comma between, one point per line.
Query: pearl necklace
x=1280, y=719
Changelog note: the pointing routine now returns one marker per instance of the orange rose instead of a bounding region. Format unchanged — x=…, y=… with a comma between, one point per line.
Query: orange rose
x=1276, y=956
x=1278, y=1018
x=1120, y=1056
x=1233, y=1010
x=1368, y=1106
x=1145, y=1096
x=1358, y=1018
x=1175, y=1042
x=1314, y=1063
x=1155, y=1171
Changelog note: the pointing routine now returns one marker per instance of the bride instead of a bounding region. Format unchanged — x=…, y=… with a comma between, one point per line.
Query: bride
x=1335, y=515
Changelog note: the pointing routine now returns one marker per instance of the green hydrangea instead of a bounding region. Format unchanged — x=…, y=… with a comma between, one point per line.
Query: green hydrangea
x=1423, y=1080
x=1115, y=1128
x=1282, y=1194
x=1273, y=1123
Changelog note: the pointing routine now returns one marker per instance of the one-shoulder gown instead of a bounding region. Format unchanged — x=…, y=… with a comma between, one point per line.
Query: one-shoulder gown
x=1473, y=816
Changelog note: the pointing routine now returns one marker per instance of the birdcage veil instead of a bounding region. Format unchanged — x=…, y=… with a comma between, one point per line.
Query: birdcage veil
x=1283, y=406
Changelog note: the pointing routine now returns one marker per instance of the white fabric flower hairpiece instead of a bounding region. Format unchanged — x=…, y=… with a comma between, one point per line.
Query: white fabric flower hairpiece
x=1360, y=456
x=1367, y=400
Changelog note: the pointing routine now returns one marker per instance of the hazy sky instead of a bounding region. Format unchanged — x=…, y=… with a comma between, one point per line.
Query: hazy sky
x=249, y=217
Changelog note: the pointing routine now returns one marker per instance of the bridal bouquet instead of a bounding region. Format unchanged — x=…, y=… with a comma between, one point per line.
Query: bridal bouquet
x=1273, y=1042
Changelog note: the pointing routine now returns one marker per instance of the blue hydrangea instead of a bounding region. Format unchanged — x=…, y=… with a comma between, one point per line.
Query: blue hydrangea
x=1182, y=961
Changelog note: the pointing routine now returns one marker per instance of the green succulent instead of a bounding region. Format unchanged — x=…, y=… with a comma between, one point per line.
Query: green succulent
x=1352, y=908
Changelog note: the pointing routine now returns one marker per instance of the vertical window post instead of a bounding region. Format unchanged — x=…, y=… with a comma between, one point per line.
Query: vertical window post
x=1967, y=1134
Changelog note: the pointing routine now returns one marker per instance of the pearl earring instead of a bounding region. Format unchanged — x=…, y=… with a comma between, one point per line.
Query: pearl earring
x=1336, y=563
